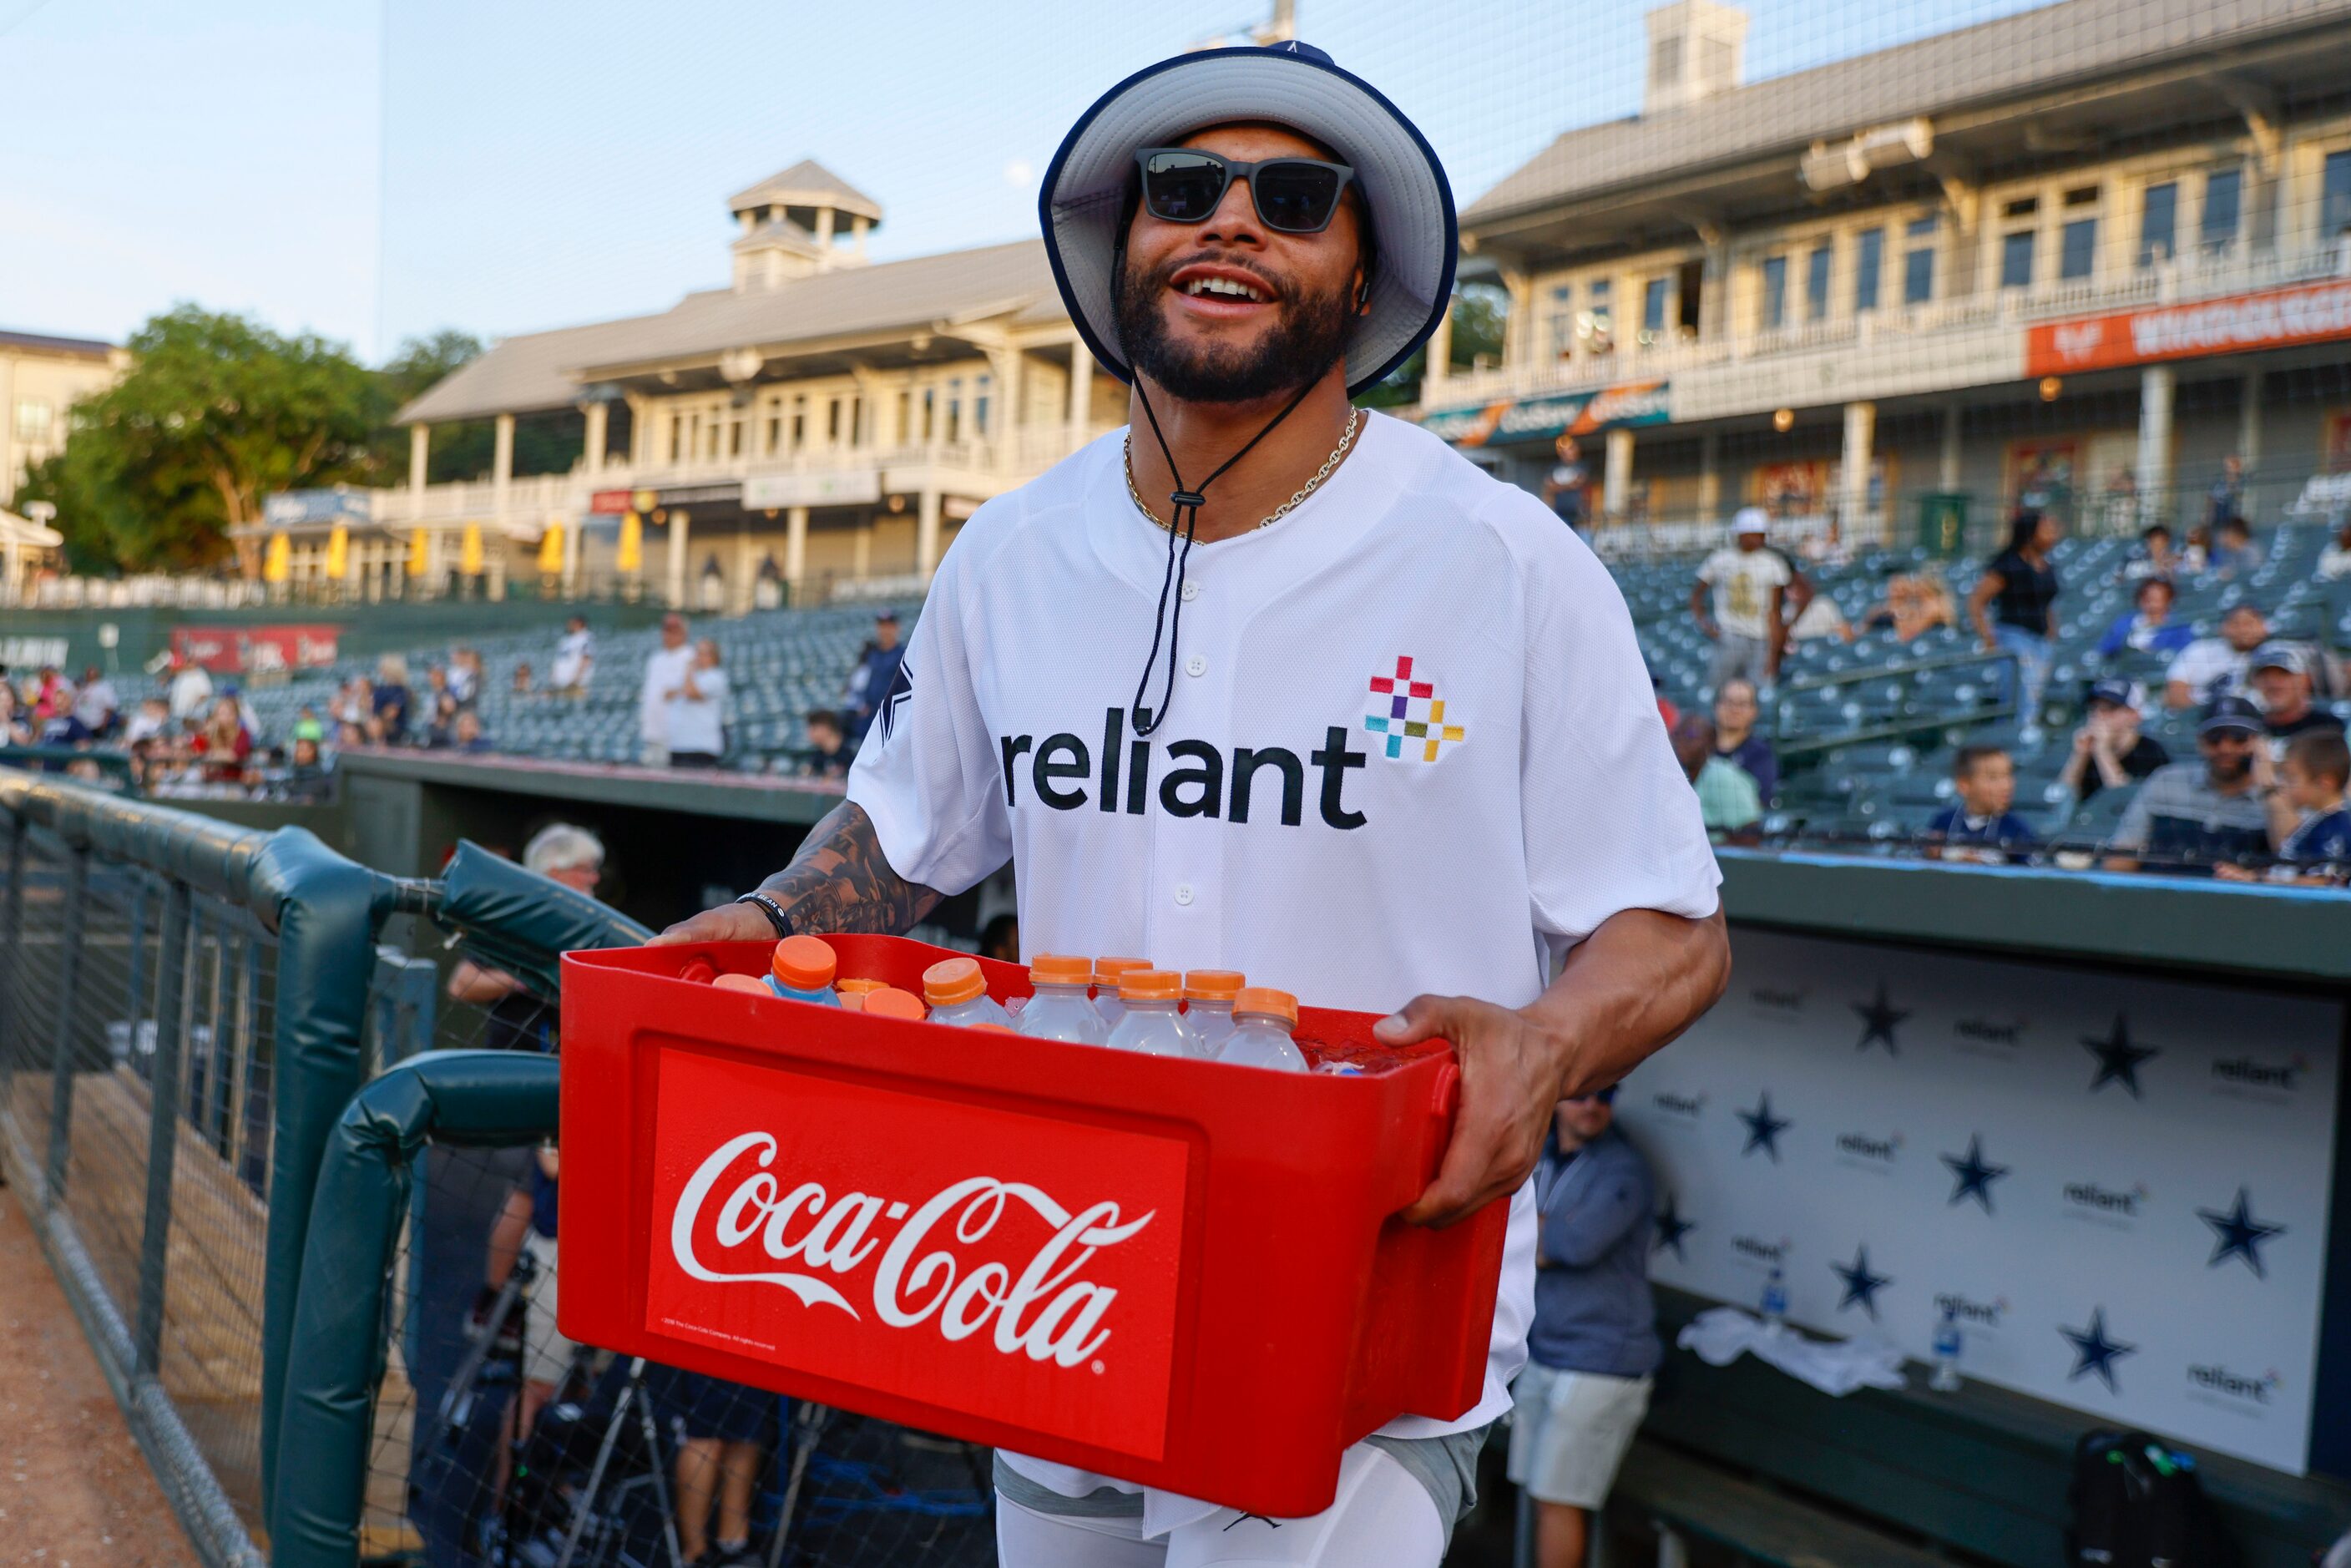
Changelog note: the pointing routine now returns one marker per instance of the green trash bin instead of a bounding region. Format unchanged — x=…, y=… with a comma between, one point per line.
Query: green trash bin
x=1943, y=523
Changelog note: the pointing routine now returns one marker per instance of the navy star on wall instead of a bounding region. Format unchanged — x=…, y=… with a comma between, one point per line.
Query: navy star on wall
x=1671, y=1228
x=2237, y=1234
x=1860, y=1284
x=1763, y=1129
x=1877, y=1020
x=2093, y=1352
x=1973, y=1176
x=2118, y=1058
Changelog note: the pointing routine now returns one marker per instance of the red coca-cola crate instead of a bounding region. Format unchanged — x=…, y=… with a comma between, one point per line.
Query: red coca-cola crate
x=1177, y=1272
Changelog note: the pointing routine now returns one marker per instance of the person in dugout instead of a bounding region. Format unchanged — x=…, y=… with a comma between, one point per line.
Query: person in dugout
x=1271, y=682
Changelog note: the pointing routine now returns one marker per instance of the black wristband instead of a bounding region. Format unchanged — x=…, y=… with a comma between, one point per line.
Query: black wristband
x=772, y=910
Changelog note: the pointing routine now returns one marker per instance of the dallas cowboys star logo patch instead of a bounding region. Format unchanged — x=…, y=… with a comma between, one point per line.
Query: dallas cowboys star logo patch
x=2237, y=1234
x=2094, y=1353
x=901, y=687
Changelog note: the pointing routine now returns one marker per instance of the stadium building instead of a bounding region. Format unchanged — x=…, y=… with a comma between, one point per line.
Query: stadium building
x=2079, y=255
x=821, y=418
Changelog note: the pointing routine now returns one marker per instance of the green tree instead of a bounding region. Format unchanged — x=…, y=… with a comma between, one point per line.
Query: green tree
x=217, y=412
x=548, y=442
x=1480, y=310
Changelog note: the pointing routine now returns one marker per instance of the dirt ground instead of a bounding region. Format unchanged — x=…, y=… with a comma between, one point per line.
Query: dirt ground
x=74, y=1488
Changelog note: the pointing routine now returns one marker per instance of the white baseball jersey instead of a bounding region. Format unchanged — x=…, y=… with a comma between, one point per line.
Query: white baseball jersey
x=1412, y=748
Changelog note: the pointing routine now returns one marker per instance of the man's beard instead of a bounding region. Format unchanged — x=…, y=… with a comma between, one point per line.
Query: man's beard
x=2228, y=770
x=1309, y=337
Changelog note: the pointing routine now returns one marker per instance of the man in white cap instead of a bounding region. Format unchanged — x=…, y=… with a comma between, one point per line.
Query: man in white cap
x=1269, y=682
x=1749, y=581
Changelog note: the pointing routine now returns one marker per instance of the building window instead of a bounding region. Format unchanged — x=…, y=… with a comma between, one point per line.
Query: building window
x=799, y=424
x=2016, y=259
x=1597, y=325
x=1775, y=292
x=955, y=408
x=1654, y=294
x=2159, y=222
x=1868, y=260
x=710, y=448
x=2335, y=198
x=1816, y=283
x=832, y=422
x=1563, y=322
x=980, y=387
x=907, y=414
x=33, y=416
x=2223, y=193
x=735, y=437
x=856, y=418
x=1918, y=263
x=2077, y=248
x=676, y=437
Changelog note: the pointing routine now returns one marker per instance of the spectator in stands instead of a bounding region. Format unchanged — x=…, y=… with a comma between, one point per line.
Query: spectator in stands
x=1567, y=489
x=2197, y=552
x=696, y=710
x=518, y=1020
x=720, y=1431
x=2225, y=503
x=440, y=723
x=2154, y=557
x=1981, y=826
x=388, y=699
x=306, y=725
x=465, y=733
x=223, y=743
x=153, y=717
x=96, y=704
x=1592, y=1350
x=309, y=781
x=191, y=690
x=2191, y=816
x=352, y=704
x=2014, y=607
x=2213, y=667
x=1916, y=603
x=1735, y=709
x=575, y=659
x=53, y=695
x=665, y=669
x=464, y=675
x=2335, y=560
x=522, y=678
x=1000, y=938
x=436, y=686
x=876, y=673
x=2149, y=628
x=2280, y=673
x=1749, y=585
x=2308, y=826
x=829, y=754
x=2109, y=749
x=1728, y=800
x=2234, y=553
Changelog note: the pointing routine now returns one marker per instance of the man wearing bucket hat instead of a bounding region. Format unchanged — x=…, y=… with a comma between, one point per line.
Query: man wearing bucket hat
x=1267, y=681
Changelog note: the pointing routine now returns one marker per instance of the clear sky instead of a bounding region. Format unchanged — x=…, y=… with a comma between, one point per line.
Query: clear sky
x=375, y=169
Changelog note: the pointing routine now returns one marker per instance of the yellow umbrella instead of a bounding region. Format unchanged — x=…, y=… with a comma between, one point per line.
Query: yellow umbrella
x=633, y=543
x=339, y=553
x=469, y=553
x=550, y=549
x=277, y=565
x=420, y=552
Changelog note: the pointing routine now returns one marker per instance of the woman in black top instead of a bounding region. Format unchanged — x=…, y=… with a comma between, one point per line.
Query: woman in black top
x=2020, y=590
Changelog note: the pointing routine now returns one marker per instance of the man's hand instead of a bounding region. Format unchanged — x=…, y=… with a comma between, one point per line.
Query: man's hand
x=1509, y=1087
x=727, y=923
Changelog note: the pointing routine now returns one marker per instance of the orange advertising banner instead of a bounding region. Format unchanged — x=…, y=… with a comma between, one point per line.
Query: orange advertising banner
x=2275, y=317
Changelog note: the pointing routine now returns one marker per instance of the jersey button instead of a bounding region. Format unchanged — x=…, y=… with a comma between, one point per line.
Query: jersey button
x=1196, y=665
x=1184, y=894
x=1191, y=591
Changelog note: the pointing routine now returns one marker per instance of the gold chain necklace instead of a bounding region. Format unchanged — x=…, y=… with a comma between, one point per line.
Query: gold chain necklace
x=1338, y=455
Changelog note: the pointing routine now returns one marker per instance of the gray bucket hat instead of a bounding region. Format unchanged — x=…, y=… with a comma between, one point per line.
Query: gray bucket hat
x=1296, y=85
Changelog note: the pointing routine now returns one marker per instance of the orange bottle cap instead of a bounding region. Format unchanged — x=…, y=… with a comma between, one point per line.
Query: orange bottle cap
x=741, y=983
x=1108, y=970
x=1269, y=1002
x=1059, y=969
x=890, y=1002
x=852, y=1001
x=1150, y=986
x=953, y=981
x=857, y=988
x=996, y=1028
x=1213, y=985
x=802, y=964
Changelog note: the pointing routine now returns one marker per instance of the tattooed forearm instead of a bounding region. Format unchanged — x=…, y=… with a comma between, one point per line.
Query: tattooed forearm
x=840, y=881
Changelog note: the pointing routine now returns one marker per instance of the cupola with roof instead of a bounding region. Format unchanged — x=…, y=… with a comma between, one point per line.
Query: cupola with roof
x=805, y=219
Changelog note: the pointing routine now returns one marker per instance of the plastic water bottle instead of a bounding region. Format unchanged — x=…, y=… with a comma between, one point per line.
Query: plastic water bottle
x=957, y=993
x=1947, y=1353
x=1106, y=973
x=1260, y=1038
x=1150, y=1023
x=1775, y=1299
x=1060, y=1008
x=1209, y=1008
x=801, y=971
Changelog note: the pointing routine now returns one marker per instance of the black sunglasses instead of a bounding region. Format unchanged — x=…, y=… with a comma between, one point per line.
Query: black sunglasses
x=1292, y=195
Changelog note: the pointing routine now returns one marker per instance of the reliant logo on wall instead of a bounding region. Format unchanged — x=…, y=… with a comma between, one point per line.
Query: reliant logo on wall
x=1995, y=1038
x=1760, y=1253
x=2271, y=1081
x=1971, y=1313
x=1681, y=1108
x=2243, y=1391
x=1871, y=1152
x=2119, y=1207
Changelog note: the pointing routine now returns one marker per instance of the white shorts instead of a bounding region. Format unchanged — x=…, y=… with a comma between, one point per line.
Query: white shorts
x=1382, y=1518
x=1570, y=1432
x=547, y=1354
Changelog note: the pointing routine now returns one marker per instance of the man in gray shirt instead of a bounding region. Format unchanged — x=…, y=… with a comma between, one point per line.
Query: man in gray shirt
x=2191, y=816
x=1595, y=1346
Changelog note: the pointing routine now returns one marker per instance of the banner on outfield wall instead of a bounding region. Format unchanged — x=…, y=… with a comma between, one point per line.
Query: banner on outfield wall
x=2118, y=1185
x=2273, y=318
x=254, y=649
x=1555, y=414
